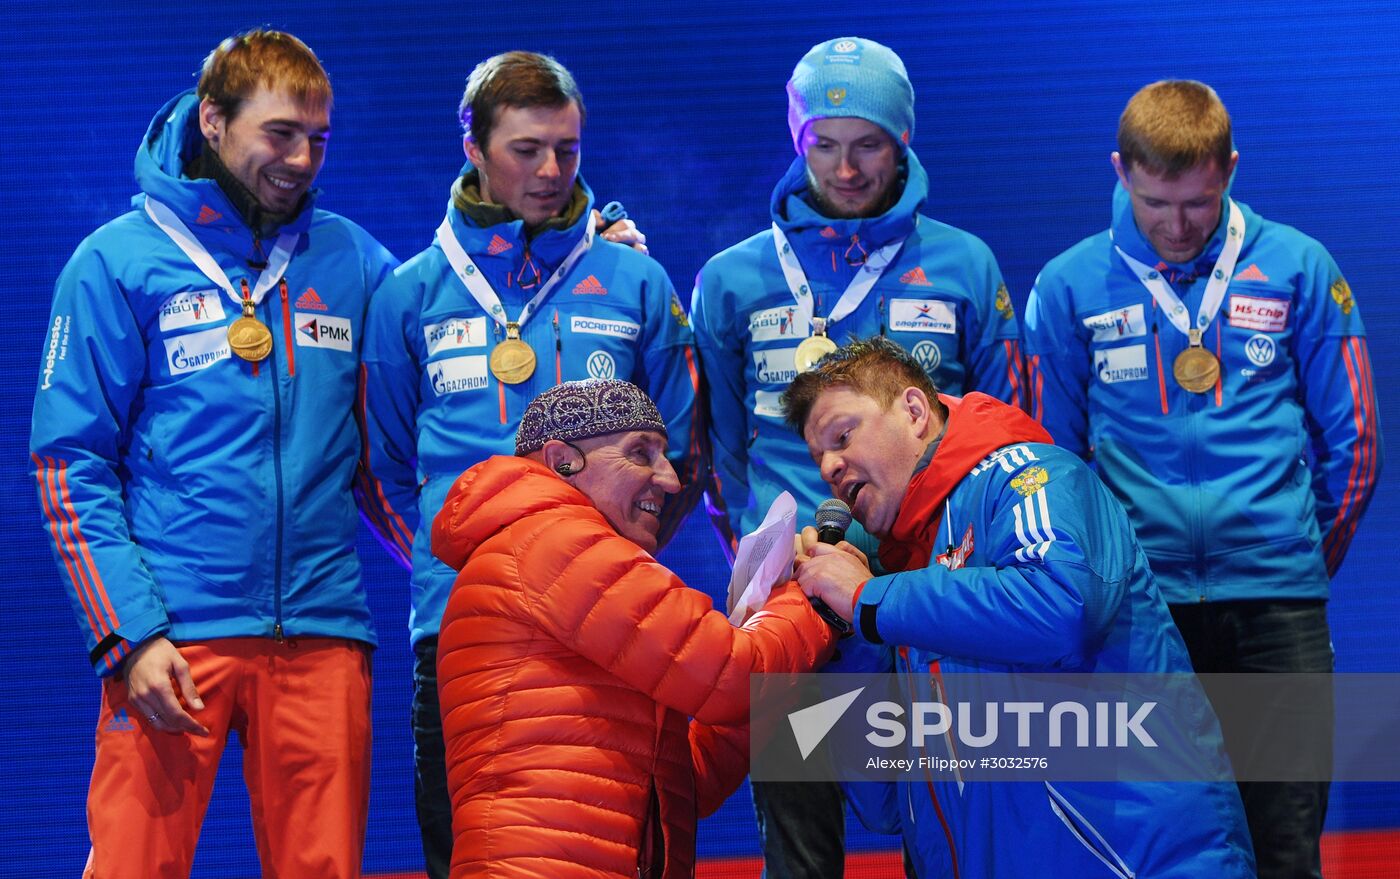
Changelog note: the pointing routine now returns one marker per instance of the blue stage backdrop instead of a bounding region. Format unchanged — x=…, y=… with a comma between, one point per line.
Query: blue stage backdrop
x=1017, y=109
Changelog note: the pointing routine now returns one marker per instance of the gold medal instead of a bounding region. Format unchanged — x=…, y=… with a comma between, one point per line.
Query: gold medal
x=1196, y=369
x=248, y=337
x=814, y=347
x=513, y=360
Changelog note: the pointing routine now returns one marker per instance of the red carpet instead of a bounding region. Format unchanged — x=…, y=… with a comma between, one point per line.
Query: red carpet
x=1363, y=855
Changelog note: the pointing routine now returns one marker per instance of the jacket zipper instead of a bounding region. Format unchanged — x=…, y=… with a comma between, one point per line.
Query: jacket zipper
x=1080, y=827
x=277, y=480
x=287, y=330
x=928, y=777
x=558, y=351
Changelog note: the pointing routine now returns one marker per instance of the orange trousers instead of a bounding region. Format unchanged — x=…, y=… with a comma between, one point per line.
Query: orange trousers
x=301, y=709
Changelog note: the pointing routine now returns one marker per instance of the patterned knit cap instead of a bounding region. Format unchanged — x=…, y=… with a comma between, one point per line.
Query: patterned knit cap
x=851, y=76
x=583, y=409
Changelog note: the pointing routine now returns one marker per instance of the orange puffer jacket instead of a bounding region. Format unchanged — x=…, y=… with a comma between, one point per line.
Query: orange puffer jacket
x=569, y=665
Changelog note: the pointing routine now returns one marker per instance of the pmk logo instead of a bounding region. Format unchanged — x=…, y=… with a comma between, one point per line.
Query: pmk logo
x=323, y=331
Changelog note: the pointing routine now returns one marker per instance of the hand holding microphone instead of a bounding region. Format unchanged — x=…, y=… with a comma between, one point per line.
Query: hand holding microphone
x=830, y=577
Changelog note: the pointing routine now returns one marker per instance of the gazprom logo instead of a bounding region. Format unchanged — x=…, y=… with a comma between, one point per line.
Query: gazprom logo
x=455, y=374
x=1125, y=364
x=775, y=366
x=601, y=365
x=196, y=351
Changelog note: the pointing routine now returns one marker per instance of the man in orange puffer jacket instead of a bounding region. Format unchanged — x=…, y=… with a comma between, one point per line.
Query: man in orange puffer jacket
x=571, y=663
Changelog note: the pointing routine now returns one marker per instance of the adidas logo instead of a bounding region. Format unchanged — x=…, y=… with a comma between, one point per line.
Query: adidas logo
x=829, y=232
x=311, y=301
x=498, y=245
x=1252, y=274
x=591, y=286
x=120, y=722
x=915, y=277
x=207, y=215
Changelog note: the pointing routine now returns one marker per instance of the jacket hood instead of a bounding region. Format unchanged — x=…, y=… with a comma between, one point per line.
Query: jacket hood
x=790, y=209
x=494, y=494
x=172, y=141
x=1127, y=235
x=977, y=426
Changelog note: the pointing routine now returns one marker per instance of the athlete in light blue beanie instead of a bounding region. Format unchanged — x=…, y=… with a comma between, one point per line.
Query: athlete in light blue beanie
x=855, y=77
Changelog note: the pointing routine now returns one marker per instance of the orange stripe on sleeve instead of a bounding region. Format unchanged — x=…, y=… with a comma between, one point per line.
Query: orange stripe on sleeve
x=1013, y=371
x=383, y=513
x=1336, y=538
x=99, y=588
x=48, y=500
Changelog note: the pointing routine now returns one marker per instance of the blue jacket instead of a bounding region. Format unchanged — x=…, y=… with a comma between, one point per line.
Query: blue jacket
x=745, y=330
x=185, y=491
x=433, y=408
x=1250, y=491
x=1036, y=571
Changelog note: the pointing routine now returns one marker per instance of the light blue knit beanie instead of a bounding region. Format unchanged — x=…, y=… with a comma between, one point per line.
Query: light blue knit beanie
x=851, y=76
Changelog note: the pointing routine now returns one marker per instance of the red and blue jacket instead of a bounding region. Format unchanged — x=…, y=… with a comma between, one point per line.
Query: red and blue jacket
x=1253, y=489
x=1011, y=557
x=186, y=492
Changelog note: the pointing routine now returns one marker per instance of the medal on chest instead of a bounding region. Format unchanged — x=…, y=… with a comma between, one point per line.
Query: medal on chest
x=1196, y=369
x=512, y=360
x=249, y=337
x=814, y=347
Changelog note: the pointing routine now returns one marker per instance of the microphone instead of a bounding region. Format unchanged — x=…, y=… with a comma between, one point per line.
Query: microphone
x=833, y=518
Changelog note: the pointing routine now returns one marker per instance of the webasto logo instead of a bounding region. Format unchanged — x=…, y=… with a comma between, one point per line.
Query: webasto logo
x=52, y=355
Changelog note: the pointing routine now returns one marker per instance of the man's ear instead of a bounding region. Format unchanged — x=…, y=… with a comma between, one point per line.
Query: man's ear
x=473, y=151
x=561, y=458
x=211, y=121
x=923, y=417
x=1117, y=159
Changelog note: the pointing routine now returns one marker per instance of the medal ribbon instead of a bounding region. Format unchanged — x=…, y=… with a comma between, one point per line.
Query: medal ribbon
x=855, y=292
x=277, y=261
x=481, y=289
x=1166, y=297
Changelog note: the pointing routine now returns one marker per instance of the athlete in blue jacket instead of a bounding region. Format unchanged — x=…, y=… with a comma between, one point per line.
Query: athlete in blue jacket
x=194, y=446
x=1213, y=366
x=1009, y=556
x=515, y=257
x=848, y=254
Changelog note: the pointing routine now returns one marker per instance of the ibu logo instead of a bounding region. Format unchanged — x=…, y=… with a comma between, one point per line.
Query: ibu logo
x=601, y=365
